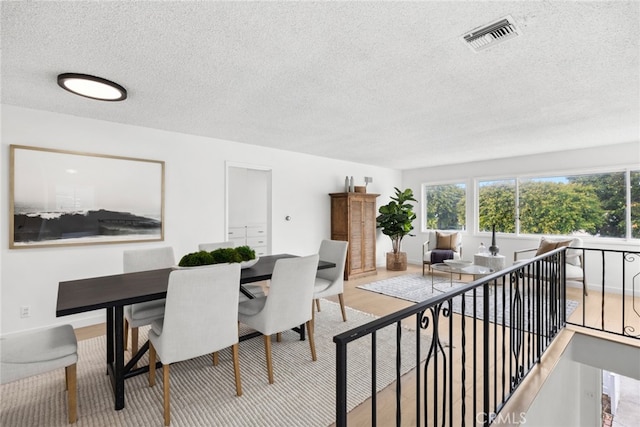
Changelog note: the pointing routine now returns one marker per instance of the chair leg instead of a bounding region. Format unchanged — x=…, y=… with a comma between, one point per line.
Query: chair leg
x=134, y=341
x=312, y=342
x=72, y=393
x=344, y=313
x=236, y=368
x=126, y=334
x=279, y=337
x=152, y=365
x=165, y=383
x=267, y=350
x=215, y=358
x=318, y=304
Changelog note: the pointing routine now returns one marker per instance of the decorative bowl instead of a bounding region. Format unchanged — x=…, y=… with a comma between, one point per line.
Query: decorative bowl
x=251, y=263
x=457, y=262
x=243, y=264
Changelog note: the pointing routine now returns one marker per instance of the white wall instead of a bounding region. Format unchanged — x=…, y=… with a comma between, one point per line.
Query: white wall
x=194, y=203
x=602, y=158
x=577, y=379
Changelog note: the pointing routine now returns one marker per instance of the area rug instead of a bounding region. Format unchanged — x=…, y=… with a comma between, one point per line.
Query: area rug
x=417, y=288
x=204, y=395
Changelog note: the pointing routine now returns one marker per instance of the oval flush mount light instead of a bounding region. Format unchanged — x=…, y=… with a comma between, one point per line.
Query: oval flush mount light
x=92, y=87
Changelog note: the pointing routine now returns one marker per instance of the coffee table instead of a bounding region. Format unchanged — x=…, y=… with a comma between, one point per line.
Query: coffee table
x=472, y=269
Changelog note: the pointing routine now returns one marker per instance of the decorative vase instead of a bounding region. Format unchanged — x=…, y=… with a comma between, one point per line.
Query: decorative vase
x=346, y=184
x=397, y=261
x=494, y=249
x=351, y=186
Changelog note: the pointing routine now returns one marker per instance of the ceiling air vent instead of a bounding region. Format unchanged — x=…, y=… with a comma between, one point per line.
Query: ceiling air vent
x=489, y=35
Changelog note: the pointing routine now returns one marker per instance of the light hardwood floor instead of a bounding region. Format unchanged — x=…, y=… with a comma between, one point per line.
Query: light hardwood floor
x=381, y=305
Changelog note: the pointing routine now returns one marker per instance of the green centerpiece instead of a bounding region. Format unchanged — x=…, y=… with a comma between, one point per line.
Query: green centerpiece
x=240, y=254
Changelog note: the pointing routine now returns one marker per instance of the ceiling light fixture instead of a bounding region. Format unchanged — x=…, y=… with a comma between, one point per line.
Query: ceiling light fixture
x=92, y=87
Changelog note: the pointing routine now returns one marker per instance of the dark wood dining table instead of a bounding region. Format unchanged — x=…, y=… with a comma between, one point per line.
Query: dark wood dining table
x=114, y=292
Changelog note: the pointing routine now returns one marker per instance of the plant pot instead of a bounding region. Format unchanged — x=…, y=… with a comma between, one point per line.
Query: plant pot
x=397, y=261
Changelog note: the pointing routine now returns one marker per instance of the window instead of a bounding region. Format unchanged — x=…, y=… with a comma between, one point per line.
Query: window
x=593, y=205
x=445, y=206
x=603, y=204
x=497, y=205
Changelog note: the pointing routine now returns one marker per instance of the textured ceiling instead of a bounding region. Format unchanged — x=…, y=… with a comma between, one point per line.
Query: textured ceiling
x=382, y=83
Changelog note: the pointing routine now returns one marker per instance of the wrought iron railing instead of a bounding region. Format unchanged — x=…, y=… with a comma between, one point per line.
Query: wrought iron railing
x=468, y=365
x=612, y=272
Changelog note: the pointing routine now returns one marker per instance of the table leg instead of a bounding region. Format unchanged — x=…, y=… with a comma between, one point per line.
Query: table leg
x=119, y=355
x=110, y=335
x=115, y=353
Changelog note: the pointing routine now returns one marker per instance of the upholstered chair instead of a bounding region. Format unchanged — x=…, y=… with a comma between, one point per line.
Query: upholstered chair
x=200, y=317
x=142, y=314
x=34, y=353
x=286, y=306
x=441, y=241
x=330, y=281
x=574, y=262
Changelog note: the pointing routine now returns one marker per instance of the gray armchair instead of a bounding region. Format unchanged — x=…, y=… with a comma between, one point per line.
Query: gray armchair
x=440, y=240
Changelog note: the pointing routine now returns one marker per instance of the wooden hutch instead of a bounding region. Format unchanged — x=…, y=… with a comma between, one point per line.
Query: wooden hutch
x=353, y=218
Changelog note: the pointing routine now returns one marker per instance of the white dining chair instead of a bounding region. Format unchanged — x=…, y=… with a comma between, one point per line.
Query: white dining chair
x=330, y=281
x=287, y=304
x=142, y=314
x=255, y=290
x=201, y=317
x=32, y=353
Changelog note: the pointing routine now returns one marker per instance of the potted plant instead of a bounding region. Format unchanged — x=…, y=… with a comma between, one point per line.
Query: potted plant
x=395, y=220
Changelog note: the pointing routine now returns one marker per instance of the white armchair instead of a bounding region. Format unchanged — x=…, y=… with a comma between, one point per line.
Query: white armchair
x=574, y=265
x=288, y=304
x=201, y=317
x=142, y=314
x=442, y=241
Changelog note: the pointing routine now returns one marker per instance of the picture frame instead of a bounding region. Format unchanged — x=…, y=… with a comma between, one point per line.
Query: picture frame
x=65, y=198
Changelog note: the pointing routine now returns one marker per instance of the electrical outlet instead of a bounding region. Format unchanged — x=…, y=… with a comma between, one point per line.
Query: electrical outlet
x=25, y=311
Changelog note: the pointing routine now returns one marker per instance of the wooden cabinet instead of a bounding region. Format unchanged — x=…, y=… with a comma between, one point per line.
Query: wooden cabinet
x=353, y=218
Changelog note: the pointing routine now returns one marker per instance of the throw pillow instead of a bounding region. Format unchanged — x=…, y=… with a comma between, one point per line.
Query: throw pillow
x=549, y=245
x=446, y=241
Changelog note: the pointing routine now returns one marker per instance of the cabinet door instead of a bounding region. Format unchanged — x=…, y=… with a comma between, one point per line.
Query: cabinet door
x=356, y=235
x=237, y=235
x=257, y=230
x=369, y=235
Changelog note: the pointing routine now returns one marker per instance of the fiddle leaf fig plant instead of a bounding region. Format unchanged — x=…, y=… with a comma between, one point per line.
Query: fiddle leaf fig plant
x=396, y=217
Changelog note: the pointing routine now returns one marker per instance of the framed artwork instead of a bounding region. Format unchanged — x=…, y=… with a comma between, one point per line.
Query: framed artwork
x=70, y=198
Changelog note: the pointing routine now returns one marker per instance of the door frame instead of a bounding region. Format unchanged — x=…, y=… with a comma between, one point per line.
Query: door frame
x=265, y=168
